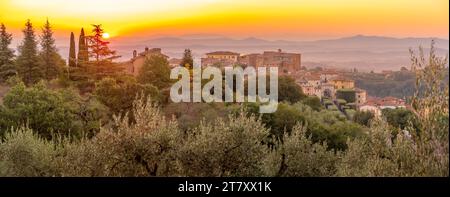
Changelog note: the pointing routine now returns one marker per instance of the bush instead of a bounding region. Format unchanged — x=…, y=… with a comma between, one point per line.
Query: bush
x=363, y=117
x=350, y=113
x=348, y=95
x=288, y=90
x=155, y=71
x=379, y=155
x=232, y=148
x=341, y=102
x=189, y=115
x=24, y=153
x=299, y=156
x=327, y=102
x=284, y=119
x=145, y=148
x=332, y=108
x=400, y=118
x=118, y=94
x=45, y=111
x=313, y=102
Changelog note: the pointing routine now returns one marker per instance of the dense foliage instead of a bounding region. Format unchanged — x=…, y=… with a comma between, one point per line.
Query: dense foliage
x=118, y=94
x=363, y=117
x=288, y=90
x=347, y=95
x=7, y=68
x=399, y=84
x=123, y=129
x=155, y=71
x=41, y=109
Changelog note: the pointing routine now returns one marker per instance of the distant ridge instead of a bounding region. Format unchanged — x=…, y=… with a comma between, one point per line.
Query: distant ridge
x=383, y=40
x=220, y=41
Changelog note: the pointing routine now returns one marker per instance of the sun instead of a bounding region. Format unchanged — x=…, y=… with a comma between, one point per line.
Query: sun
x=105, y=35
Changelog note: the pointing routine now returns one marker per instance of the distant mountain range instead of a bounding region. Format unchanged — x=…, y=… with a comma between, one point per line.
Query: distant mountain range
x=360, y=51
x=219, y=41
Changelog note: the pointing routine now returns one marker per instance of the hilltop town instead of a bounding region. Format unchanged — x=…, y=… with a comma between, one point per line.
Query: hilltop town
x=336, y=91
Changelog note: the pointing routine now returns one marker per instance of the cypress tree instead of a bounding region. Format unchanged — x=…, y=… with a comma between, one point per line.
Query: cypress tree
x=80, y=71
x=187, y=60
x=72, y=58
x=7, y=68
x=83, y=55
x=27, y=62
x=50, y=60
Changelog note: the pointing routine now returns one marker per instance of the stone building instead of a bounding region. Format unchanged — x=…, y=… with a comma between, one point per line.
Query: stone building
x=370, y=107
x=327, y=76
x=288, y=63
x=312, y=85
x=328, y=91
x=361, y=96
x=133, y=66
x=220, y=59
x=342, y=83
x=376, y=105
x=253, y=59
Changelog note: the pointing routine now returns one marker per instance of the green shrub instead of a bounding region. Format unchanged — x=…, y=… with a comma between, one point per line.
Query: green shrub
x=231, y=148
x=299, y=156
x=341, y=101
x=348, y=95
x=45, y=111
x=24, y=153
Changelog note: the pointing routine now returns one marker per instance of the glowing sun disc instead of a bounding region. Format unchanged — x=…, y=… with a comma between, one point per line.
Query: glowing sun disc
x=105, y=35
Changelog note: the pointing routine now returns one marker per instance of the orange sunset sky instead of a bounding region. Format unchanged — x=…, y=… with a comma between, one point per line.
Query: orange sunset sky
x=270, y=19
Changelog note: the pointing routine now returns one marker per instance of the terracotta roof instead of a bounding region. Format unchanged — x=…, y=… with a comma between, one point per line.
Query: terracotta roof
x=153, y=51
x=280, y=52
x=312, y=77
x=389, y=98
x=386, y=101
x=329, y=72
x=251, y=54
x=341, y=79
x=222, y=53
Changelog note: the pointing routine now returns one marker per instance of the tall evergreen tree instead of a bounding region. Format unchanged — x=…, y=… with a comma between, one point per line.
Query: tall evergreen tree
x=155, y=71
x=187, y=60
x=50, y=60
x=72, y=53
x=7, y=68
x=27, y=62
x=102, y=64
x=79, y=71
x=83, y=55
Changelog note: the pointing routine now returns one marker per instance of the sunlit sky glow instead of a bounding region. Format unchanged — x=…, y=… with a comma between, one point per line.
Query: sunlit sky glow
x=270, y=19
